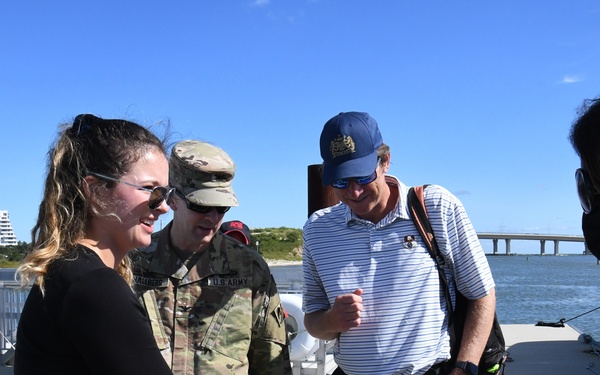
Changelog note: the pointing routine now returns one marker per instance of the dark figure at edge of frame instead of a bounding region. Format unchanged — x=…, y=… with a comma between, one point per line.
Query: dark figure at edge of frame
x=585, y=139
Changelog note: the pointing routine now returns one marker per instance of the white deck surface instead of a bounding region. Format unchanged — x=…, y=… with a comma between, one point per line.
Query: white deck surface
x=548, y=351
x=533, y=351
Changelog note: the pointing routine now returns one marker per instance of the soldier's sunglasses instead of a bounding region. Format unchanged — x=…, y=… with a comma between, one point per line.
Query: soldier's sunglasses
x=158, y=194
x=199, y=208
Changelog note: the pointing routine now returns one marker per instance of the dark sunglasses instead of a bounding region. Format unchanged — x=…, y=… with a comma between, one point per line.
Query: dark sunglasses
x=158, y=194
x=588, y=197
x=201, y=209
x=343, y=183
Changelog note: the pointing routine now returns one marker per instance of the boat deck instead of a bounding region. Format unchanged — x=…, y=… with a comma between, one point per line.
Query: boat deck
x=533, y=351
x=549, y=351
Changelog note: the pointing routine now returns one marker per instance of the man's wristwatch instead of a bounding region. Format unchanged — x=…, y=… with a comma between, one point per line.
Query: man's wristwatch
x=468, y=367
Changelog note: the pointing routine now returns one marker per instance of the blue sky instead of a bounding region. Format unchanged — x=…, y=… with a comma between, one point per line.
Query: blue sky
x=475, y=96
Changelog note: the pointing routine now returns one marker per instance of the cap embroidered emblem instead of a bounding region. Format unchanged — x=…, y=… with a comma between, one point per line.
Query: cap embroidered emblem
x=236, y=225
x=342, y=145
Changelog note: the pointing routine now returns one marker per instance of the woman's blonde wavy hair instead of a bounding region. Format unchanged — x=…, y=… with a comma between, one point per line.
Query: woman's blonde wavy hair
x=90, y=144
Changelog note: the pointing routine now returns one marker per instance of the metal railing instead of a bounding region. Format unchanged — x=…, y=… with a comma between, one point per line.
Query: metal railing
x=12, y=299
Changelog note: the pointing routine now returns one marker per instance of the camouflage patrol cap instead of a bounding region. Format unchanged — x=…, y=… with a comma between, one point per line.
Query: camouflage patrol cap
x=203, y=173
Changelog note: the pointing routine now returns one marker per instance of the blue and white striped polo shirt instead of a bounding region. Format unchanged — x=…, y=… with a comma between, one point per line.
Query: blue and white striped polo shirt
x=403, y=327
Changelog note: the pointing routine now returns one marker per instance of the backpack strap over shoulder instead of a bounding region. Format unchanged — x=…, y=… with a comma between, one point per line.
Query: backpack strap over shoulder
x=494, y=356
x=418, y=213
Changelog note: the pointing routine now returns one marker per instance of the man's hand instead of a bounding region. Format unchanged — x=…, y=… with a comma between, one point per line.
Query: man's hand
x=345, y=313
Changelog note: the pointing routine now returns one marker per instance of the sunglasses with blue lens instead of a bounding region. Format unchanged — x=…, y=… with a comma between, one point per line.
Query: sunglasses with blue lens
x=201, y=209
x=158, y=194
x=343, y=183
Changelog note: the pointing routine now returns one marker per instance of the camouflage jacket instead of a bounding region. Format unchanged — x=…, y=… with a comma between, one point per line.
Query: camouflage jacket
x=222, y=316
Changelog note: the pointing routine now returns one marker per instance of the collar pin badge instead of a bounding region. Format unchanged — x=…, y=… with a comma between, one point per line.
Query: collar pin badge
x=408, y=241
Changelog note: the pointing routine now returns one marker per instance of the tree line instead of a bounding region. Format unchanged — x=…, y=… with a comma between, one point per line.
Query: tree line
x=11, y=256
x=272, y=243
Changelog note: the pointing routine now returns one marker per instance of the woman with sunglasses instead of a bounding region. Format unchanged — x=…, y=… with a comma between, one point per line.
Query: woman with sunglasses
x=103, y=193
x=585, y=138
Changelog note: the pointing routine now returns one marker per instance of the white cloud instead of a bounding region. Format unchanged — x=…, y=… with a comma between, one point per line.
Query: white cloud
x=261, y=3
x=571, y=79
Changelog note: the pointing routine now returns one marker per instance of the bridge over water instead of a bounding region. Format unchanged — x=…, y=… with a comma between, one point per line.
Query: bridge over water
x=507, y=237
x=320, y=196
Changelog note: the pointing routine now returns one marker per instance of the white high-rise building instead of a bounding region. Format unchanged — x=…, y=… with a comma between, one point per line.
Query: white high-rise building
x=7, y=235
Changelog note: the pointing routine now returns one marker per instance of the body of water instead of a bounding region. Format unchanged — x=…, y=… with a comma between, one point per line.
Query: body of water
x=7, y=274
x=531, y=288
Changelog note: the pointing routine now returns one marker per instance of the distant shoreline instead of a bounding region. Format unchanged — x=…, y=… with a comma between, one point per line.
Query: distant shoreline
x=281, y=262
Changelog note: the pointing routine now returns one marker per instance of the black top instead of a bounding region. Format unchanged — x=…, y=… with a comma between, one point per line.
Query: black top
x=88, y=322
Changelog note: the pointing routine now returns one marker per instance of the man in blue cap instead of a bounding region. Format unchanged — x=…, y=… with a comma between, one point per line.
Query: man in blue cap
x=369, y=281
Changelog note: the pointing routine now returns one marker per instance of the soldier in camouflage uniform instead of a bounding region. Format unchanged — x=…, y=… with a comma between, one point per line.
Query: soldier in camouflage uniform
x=212, y=301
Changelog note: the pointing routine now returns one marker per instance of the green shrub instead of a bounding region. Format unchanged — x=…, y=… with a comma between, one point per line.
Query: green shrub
x=11, y=256
x=273, y=243
x=278, y=243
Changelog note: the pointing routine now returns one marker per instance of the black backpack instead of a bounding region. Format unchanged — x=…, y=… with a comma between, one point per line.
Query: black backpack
x=494, y=355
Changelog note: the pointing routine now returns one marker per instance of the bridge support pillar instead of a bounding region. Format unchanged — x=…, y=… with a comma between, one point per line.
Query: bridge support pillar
x=543, y=238
x=542, y=247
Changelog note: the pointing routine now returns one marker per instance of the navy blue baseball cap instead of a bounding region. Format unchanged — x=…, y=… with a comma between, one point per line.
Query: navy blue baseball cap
x=349, y=143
